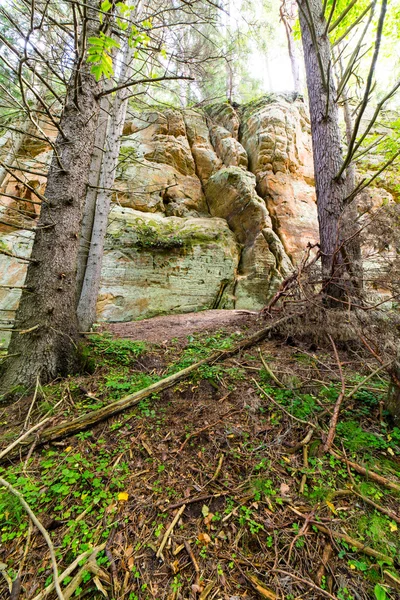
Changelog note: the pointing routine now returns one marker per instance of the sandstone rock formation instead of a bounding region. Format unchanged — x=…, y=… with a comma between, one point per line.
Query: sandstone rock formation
x=275, y=133
x=156, y=265
x=212, y=208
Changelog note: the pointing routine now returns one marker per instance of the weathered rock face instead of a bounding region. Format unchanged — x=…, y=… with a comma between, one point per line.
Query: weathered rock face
x=157, y=169
x=12, y=273
x=213, y=207
x=155, y=265
x=276, y=137
x=231, y=195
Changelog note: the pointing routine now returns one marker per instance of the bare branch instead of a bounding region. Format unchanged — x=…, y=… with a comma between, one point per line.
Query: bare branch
x=140, y=81
x=356, y=22
x=354, y=58
x=32, y=189
x=330, y=16
x=368, y=86
x=365, y=183
x=341, y=16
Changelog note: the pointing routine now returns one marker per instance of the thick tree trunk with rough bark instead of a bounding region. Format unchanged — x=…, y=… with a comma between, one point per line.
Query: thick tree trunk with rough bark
x=45, y=340
x=327, y=152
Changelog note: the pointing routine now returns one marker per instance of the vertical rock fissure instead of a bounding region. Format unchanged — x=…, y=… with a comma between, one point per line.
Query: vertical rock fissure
x=274, y=220
x=195, y=163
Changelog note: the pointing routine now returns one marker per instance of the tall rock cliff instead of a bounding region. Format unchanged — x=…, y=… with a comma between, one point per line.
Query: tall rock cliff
x=212, y=208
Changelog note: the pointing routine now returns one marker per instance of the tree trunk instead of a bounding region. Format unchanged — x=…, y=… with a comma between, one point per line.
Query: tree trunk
x=326, y=140
x=46, y=335
x=353, y=246
x=287, y=22
x=91, y=283
x=392, y=400
x=89, y=209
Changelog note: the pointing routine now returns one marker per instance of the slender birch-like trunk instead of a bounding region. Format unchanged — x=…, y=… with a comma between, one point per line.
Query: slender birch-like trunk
x=91, y=283
x=288, y=24
x=89, y=209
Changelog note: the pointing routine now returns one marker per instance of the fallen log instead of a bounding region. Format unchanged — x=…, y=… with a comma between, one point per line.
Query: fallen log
x=87, y=420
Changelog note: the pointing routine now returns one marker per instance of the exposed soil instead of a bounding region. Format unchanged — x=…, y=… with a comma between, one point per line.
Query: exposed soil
x=164, y=328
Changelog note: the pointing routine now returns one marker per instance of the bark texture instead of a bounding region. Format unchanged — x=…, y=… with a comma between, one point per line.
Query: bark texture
x=392, y=403
x=89, y=209
x=91, y=283
x=44, y=342
x=327, y=152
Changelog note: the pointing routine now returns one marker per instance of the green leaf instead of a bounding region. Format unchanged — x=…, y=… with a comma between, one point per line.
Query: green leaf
x=97, y=71
x=95, y=41
x=122, y=24
x=380, y=593
x=105, y=5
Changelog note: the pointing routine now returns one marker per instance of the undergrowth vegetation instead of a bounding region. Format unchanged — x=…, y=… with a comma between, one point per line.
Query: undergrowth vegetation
x=229, y=454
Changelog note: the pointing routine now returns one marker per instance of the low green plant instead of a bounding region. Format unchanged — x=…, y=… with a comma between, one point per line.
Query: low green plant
x=120, y=382
x=355, y=438
x=114, y=351
x=246, y=520
x=66, y=485
x=262, y=487
x=299, y=405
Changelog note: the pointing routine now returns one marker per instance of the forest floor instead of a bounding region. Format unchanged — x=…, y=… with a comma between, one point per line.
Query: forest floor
x=232, y=457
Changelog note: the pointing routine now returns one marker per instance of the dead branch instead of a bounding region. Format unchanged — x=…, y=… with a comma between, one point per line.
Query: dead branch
x=307, y=582
x=368, y=474
x=140, y=81
x=335, y=415
x=378, y=507
x=354, y=24
x=42, y=530
x=352, y=145
x=341, y=16
x=279, y=405
x=67, y=572
x=16, y=256
x=22, y=437
x=269, y=370
x=169, y=530
x=370, y=376
x=346, y=538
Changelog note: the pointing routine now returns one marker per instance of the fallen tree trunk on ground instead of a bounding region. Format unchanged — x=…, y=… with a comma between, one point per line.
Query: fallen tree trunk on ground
x=89, y=419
